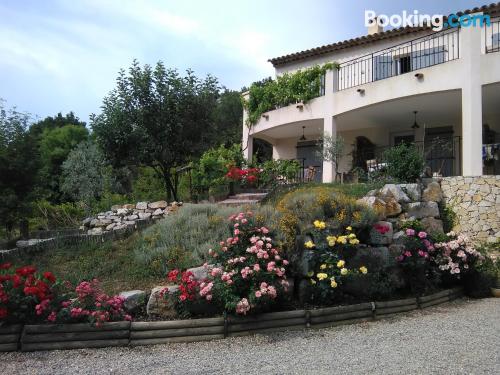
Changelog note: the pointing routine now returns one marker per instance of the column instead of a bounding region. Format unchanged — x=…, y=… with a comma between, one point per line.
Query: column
x=247, y=144
x=472, y=112
x=330, y=129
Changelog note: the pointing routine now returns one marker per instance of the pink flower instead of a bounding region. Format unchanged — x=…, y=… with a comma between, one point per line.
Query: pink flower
x=52, y=317
x=422, y=235
x=256, y=267
x=258, y=294
x=410, y=232
x=264, y=230
x=407, y=254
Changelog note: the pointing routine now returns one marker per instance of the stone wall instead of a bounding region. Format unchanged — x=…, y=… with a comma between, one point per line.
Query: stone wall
x=476, y=201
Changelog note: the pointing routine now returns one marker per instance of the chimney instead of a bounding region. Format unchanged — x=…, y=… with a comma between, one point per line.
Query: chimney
x=374, y=27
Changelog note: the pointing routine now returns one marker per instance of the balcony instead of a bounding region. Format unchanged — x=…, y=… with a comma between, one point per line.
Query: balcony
x=423, y=52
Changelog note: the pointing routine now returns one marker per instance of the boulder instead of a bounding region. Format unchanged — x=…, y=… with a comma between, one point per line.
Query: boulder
x=103, y=222
x=398, y=238
x=133, y=300
x=199, y=273
x=86, y=222
x=95, y=231
x=381, y=233
x=158, y=212
x=158, y=304
x=419, y=210
x=394, y=191
x=129, y=223
x=94, y=222
x=144, y=215
x=432, y=193
x=158, y=204
x=377, y=204
x=122, y=212
x=432, y=225
x=111, y=226
x=373, y=258
x=129, y=206
x=392, y=207
x=413, y=191
x=395, y=250
x=116, y=207
x=141, y=205
x=131, y=217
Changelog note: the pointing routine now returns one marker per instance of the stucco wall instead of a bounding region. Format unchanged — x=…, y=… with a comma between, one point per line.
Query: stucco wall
x=476, y=201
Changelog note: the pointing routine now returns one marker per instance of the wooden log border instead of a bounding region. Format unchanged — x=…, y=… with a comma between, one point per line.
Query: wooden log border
x=76, y=336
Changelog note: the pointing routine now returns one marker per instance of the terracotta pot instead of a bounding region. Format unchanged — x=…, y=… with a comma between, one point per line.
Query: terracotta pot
x=495, y=292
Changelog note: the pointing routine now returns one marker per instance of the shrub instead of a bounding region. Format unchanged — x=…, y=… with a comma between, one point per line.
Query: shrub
x=276, y=171
x=250, y=271
x=183, y=298
x=53, y=216
x=331, y=250
x=420, y=272
x=404, y=162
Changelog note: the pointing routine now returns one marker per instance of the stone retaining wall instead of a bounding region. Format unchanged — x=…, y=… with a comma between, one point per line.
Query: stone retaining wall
x=476, y=202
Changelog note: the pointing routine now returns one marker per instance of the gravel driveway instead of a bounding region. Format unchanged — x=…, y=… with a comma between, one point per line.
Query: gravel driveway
x=462, y=337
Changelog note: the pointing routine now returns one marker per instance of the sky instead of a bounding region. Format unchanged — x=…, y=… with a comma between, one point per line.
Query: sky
x=64, y=55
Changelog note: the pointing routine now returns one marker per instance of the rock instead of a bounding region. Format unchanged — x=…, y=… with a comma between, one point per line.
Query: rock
x=104, y=222
x=373, y=258
x=141, y=205
x=132, y=217
x=158, y=212
x=395, y=250
x=129, y=206
x=133, y=300
x=94, y=222
x=95, y=231
x=30, y=242
x=392, y=207
x=86, y=222
x=377, y=204
x=398, y=238
x=199, y=273
x=432, y=225
x=144, y=215
x=129, y=223
x=122, y=212
x=381, y=233
x=158, y=204
x=413, y=191
x=304, y=291
x=432, y=193
x=116, y=207
x=394, y=191
x=372, y=193
x=420, y=210
x=158, y=304
x=111, y=226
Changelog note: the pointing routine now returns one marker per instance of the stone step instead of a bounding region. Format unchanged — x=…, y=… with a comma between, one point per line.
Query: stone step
x=238, y=202
x=248, y=196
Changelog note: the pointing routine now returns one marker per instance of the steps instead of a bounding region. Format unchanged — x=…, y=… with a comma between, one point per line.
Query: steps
x=243, y=199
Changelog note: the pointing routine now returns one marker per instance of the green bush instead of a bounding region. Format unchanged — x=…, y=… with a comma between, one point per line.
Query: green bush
x=404, y=162
x=273, y=170
x=148, y=186
x=53, y=216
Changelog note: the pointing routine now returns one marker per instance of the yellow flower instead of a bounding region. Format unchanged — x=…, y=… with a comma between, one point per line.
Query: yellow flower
x=344, y=271
x=363, y=269
x=331, y=240
x=312, y=281
x=319, y=224
x=349, y=228
x=309, y=244
x=340, y=263
x=310, y=273
x=354, y=241
x=322, y=267
x=333, y=283
x=321, y=276
x=352, y=235
x=342, y=239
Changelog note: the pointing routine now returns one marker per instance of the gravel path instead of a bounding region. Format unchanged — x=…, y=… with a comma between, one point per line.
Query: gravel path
x=462, y=337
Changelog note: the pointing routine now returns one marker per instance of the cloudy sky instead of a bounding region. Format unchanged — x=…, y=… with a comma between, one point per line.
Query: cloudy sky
x=58, y=56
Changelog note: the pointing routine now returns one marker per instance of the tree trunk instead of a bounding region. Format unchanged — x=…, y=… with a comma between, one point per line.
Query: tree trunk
x=169, y=187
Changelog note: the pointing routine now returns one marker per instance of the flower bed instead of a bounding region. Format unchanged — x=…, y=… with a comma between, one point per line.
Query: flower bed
x=73, y=336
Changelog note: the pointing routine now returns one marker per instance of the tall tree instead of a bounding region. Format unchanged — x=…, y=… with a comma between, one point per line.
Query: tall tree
x=19, y=162
x=228, y=119
x=156, y=117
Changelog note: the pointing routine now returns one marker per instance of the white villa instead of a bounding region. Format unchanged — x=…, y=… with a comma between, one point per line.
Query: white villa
x=451, y=78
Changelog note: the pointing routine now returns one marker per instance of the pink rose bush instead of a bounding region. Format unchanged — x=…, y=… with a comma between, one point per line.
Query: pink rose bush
x=456, y=256
x=249, y=272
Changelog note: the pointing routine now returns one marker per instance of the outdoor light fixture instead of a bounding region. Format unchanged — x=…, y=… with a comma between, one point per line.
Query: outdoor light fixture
x=415, y=125
x=300, y=106
x=361, y=91
x=419, y=75
x=266, y=117
x=303, y=138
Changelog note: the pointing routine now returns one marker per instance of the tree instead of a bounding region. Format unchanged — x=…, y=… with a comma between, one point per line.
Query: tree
x=58, y=121
x=84, y=173
x=331, y=149
x=228, y=119
x=55, y=145
x=155, y=117
x=19, y=162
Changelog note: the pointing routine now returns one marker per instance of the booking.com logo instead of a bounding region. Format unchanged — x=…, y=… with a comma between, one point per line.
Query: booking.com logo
x=436, y=21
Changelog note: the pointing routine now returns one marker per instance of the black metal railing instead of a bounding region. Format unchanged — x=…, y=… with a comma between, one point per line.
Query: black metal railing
x=443, y=155
x=492, y=36
x=403, y=58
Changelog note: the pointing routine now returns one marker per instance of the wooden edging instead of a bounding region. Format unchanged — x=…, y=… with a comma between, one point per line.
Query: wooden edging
x=73, y=336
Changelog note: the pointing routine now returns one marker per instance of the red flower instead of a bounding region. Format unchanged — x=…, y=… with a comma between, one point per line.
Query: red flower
x=50, y=277
x=31, y=290
x=172, y=275
x=5, y=266
x=5, y=278
x=26, y=271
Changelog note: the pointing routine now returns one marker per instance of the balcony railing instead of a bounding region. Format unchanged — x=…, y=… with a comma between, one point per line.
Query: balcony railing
x=492, y=36
x=403, y=58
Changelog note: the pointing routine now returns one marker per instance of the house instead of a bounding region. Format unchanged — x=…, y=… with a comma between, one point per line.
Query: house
x=437, y=89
